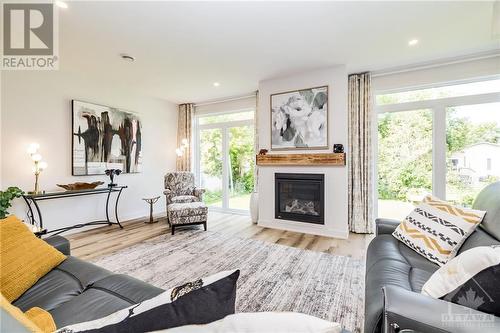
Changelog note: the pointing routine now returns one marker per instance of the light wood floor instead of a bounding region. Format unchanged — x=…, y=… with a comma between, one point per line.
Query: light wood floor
x=104, y=240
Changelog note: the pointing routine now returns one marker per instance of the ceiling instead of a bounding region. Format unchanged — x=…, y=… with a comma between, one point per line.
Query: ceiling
x=181, y=49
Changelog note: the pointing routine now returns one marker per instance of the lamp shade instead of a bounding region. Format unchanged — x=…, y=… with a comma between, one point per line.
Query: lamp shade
x=36, y=157
x=33, y=148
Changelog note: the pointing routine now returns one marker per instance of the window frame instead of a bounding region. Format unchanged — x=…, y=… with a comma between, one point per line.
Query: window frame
x=438, y=107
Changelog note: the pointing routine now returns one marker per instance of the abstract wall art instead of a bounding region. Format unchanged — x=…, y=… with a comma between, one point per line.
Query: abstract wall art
x=299, y=119
x=105, y=138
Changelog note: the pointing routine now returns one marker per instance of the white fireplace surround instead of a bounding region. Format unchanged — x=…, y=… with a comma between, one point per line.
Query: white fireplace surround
x=336, y=223
x=334, y=196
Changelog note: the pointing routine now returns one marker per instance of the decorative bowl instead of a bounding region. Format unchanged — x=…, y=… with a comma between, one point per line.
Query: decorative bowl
x=80, y=186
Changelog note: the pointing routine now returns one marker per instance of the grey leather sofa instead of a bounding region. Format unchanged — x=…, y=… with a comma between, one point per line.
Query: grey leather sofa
x=395, y=275
x=78, y=291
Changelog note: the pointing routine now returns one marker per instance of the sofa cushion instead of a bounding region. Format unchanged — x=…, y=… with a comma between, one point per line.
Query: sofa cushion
x=390, y=262
x=60, y=285
x=78, y=291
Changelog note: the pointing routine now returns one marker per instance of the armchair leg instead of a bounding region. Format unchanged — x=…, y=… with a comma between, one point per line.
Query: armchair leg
x=172, y=227
x=205, y=225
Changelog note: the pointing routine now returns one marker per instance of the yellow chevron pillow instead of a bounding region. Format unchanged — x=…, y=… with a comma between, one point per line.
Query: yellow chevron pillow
x=437, y=229
x=24, y=258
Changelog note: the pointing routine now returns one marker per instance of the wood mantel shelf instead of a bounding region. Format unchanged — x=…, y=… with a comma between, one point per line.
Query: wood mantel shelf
x=332, y=159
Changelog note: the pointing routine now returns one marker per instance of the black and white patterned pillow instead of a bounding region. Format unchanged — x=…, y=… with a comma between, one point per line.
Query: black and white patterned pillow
x=437, y=229
x=197, y=302
x=471, y=279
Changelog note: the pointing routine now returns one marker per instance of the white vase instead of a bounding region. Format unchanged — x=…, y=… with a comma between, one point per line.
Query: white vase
x=254, y=207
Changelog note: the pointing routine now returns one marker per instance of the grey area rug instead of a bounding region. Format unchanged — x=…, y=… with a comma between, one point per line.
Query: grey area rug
x=273, y=277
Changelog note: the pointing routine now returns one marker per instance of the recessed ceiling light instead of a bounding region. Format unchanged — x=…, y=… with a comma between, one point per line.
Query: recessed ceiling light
x=61, y=4
x=216, y=84
x=127, y=57
x=413, y=42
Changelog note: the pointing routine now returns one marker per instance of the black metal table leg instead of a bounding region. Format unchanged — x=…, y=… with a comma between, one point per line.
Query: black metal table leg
x=116, y=208
x=38, y=212
x=107, y=206
x=30, y=213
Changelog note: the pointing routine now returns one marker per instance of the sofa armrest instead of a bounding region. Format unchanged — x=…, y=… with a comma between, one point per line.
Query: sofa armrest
x=60, y=243
x=385, y=226
x=404, y=309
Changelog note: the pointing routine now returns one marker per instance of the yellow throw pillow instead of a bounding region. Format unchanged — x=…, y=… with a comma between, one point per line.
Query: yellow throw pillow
x=24, y=258
x=42, y=319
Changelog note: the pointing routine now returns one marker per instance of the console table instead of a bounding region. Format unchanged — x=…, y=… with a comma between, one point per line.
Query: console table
x=33, y=199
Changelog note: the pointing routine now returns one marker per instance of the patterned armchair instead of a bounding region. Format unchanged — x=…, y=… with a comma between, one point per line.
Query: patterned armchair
x=180, y=188
x=184, y=200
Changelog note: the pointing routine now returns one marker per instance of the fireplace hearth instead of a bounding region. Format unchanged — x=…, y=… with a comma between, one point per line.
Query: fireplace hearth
x=300, y=197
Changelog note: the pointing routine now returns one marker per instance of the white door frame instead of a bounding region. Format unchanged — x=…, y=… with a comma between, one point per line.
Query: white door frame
x=224, y=127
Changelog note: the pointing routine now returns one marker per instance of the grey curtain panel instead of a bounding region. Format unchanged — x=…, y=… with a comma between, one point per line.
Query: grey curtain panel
x=360, y=161
x=184, y=131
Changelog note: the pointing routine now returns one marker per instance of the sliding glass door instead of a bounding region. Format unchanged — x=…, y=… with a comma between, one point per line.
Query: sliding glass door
x=211, y=165
x=225, y=159
x=443, y=140
x=404, y=160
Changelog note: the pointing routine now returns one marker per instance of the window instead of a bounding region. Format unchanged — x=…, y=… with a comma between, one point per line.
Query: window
x=472, y=131
x=443, y=140
x=224, y=159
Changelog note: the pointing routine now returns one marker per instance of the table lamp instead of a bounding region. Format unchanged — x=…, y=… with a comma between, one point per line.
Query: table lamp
x=39, y=165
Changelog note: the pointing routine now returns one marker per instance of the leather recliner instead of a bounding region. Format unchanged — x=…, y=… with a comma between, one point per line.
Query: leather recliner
x=395, y=275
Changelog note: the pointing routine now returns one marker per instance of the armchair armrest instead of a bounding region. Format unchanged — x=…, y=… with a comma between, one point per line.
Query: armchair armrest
x=168, y=195
x=385, y=226
x=60, y=243
x=198, y=192
x=404, y=309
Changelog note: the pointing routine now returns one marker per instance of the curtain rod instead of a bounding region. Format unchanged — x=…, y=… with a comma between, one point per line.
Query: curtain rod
x=429, y=65
x=228, y=99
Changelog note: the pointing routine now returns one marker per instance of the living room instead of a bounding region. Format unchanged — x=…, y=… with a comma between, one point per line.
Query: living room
x=250, y=166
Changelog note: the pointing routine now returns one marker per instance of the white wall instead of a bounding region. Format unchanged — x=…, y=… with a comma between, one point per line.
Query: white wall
x=36, y=107
x=335, y=177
